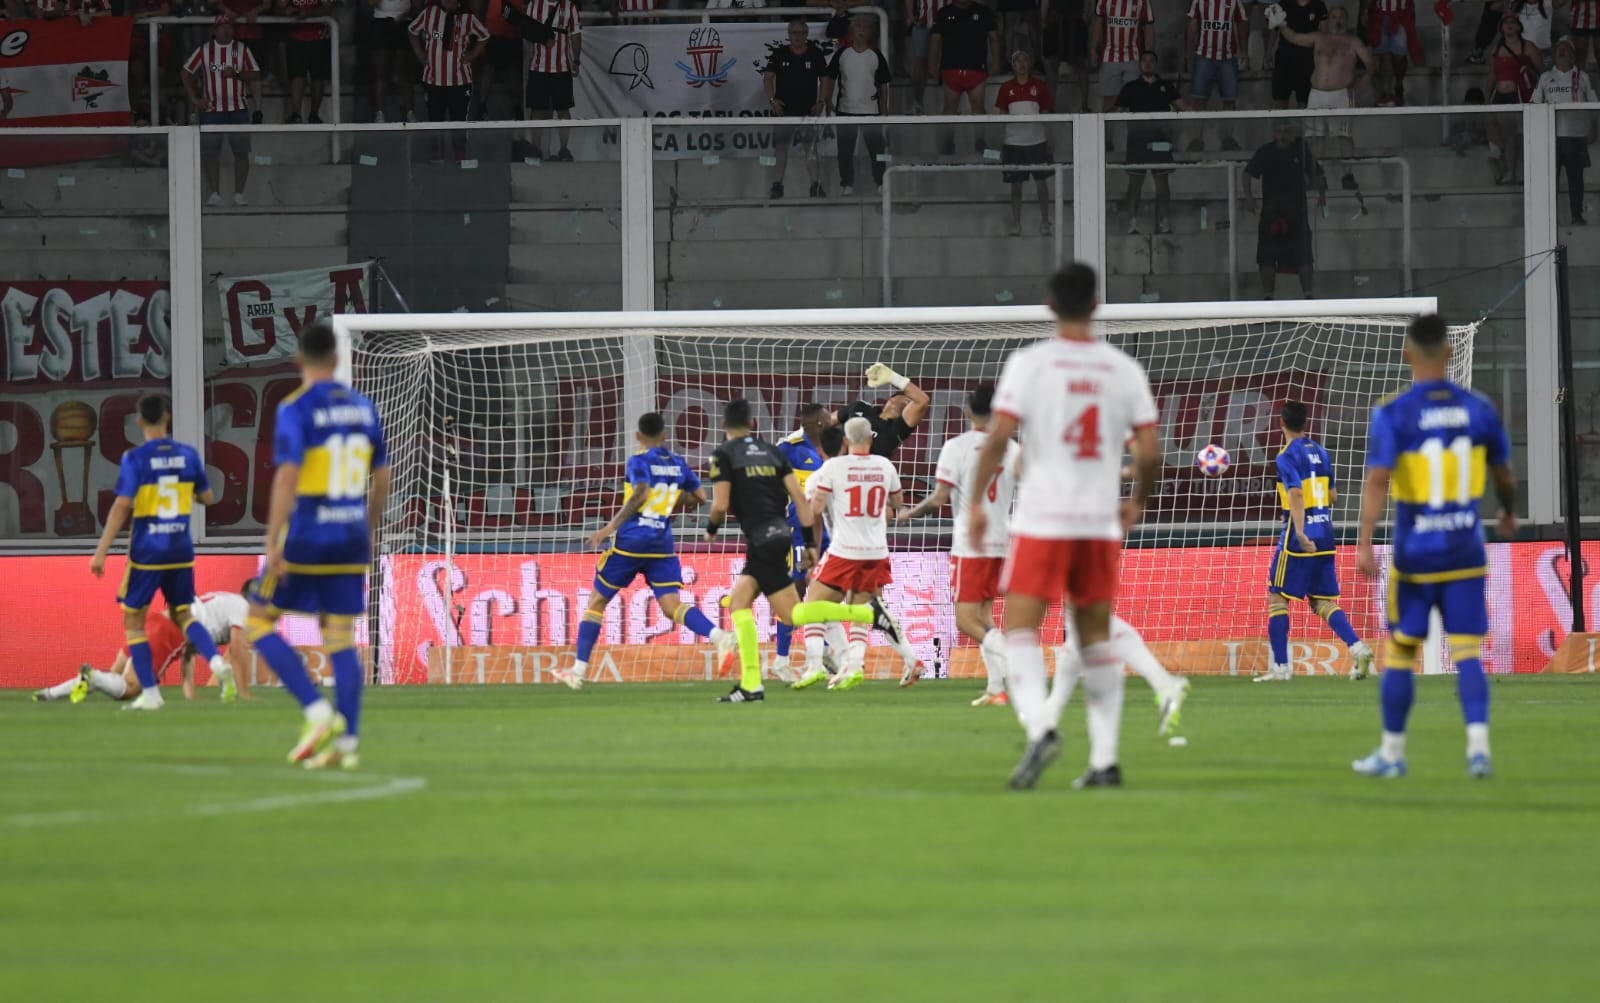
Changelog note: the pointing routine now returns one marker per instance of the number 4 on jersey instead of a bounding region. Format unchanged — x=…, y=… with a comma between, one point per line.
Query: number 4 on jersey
x=1084, y=432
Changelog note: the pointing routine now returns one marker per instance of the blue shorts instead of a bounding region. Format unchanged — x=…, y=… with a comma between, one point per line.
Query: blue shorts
x=1220, y=74
x=338, y=595
x=1463, y=610
x=1393, y=43
x=617, y=570
x=1311, y=576
x=139, y=586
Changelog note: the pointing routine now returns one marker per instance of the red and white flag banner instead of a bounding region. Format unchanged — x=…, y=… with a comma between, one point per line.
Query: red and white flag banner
x=64, y=74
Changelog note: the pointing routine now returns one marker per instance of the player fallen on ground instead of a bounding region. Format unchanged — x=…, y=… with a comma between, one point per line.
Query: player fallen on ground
x=856, y=492
x=895, y=419
x=975, y=563
x=802, y=448
x=1302, y=564
x=322, y=526
x=752, y=481
x=157, y=484
x=222, y=615
x=1433, y=447
x=1076, y=401
x=658, y=483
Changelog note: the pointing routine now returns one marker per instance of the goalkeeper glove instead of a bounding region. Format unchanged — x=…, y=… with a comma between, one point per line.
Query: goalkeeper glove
x=878, y=374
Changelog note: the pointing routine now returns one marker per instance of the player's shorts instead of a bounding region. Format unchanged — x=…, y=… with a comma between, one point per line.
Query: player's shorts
x=921, y=35
x=1461, y=605
x=165, y=639
x=1283, y=244
x=139, y=586
x=339, y=595
x=311, y=58
x=1085, y=571
x=964, y=81
x=771, y=565
x=976, y=579
x=1115, y=76
x=548, y=92
x=1309, y=576
x=1220, y=75
x=211, y=142
x=1327, y=126
x=617, y=570
x=846, y=574
x=1393, y=43
x=1291, y=73
x=1037, y=153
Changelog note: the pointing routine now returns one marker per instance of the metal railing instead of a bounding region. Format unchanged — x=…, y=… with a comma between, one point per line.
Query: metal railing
x=153, y=28
x=1058, y=173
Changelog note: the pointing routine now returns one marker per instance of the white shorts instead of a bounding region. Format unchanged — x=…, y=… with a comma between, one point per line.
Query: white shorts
x=1115, y=76
x=1329, y=125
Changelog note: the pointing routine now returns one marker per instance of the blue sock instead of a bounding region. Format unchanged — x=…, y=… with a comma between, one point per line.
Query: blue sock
x=286, y=665
x=347, y=687
x=697, y=622
x=1278, y=637
x=1397, y=690
x=201, y=639
x=588, y=634
x=1341, y=626
x=1473, y=688
x=785, y=632
x=143, y=665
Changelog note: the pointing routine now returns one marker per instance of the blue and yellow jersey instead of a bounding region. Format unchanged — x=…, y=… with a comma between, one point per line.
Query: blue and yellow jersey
x=333, y=434
x=161, y=478
x=664, y=476
x=1439, y=441
x=806, y=460
x=1304, y=464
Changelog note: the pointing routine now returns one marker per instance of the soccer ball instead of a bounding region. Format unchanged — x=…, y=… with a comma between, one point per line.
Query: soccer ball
x=1213, y=461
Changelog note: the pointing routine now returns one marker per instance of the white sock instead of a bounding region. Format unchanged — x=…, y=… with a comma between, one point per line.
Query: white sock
x=219, y=665
x=816, y=644
x=1394, y=746
x=1360, y=648
x=856, y=653
x=109, y=683
x=347, y=743
x=838, y=640
x=60, y=691
x=151, y=694
x=580, y=668
x=1069, y=670
x=1025, y=679
x=1477, y=740
x=1132, y=650
x=319, y=712
x=717, y=634
x=1103, y=684
x=993, y=652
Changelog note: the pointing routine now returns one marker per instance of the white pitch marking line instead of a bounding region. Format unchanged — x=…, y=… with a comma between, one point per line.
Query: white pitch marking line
x=390, y=787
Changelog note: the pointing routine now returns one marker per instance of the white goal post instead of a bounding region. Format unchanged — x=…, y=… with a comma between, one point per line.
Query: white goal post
x=508, y=433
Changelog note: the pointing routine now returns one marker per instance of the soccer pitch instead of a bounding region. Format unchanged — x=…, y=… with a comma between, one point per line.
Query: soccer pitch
x=646, y=843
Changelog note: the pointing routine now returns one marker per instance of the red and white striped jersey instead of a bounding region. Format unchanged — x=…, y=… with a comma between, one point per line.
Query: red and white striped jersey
x=1586, y=15
x=210, y=64
x=635, y=6
x=1390, y=6
x=1218, y=21
x=924, y=11
x=562, y=15
x=1124, y=29
x=446, y=65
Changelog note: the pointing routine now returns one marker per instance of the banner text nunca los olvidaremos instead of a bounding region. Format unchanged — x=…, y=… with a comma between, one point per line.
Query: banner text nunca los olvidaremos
x=513, y=618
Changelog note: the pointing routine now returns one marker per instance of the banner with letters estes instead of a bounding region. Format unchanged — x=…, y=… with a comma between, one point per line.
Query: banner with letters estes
x=63, y=73
x=683, y=71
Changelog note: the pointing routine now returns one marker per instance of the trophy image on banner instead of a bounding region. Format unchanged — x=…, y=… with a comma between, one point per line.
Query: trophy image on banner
x=72, y=426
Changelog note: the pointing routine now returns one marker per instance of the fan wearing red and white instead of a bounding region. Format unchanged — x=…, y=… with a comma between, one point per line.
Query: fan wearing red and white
x=855, y=492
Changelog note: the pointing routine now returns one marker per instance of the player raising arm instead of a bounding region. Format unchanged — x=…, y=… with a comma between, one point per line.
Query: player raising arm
x=975, y=562
x=1076, y=401
x=752, y=481
x=157, y=484
x=857, y=491
x=895, y=420
x=658, y=483
x=1431, y=446
x=321, y=530
x=1302, y=565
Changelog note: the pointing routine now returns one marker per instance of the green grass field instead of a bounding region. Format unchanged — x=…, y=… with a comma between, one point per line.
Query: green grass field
x=645, y=843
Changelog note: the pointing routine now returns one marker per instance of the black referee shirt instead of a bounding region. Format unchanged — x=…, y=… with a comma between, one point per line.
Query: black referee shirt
x=887, y=435
x=760, y=500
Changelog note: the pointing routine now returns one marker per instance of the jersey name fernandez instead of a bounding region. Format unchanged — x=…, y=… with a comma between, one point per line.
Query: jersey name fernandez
x=664, y=476
x=333, y=434
x=1439, y=440
x=1304, y=464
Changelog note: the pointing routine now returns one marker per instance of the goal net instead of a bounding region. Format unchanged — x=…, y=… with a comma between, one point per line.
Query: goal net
x=508, y=435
